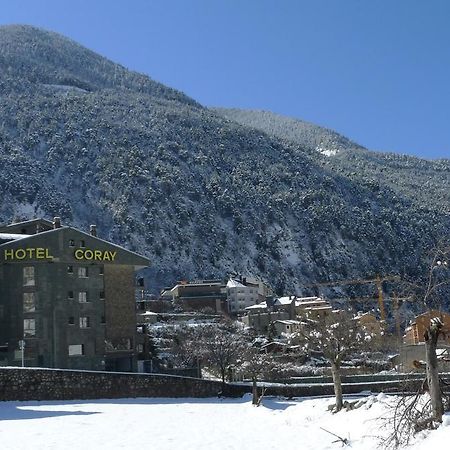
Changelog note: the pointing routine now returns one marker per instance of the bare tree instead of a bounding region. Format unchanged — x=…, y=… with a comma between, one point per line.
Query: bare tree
x=222, y=346
x=438, y=282
x=256, y=365
x=336, y=335
x=431, y=339
x=185, y=349
x=418, y=412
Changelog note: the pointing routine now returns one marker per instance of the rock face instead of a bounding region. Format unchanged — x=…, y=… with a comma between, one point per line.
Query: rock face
x=193, y=189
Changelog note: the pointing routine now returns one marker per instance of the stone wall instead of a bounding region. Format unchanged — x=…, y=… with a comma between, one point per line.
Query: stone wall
x=55, y=384
x=58, y=384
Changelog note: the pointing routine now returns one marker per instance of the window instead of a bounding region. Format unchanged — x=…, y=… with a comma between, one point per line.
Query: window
x=82, y=244
x=102, y=295
x=76, y=350
x=29, y=302
x=82, y=272
x=84, y=322
x=101, y=271
x=140, y=348
x=71, y=243
x=70, y=295
x=82, y=297
x=29, y=327
x=28, y=276
x=103, y=320
x=70, y=269
x=71, y=320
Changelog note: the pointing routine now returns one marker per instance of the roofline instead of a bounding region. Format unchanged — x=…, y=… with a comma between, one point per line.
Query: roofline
x=27, y=221
x=106, y=242
x=33, y=236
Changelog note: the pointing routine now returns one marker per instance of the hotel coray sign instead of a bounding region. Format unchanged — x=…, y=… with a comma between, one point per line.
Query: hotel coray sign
x=80, y=254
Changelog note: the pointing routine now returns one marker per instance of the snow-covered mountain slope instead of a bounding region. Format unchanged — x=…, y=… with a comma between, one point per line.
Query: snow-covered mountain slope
x=200, y=194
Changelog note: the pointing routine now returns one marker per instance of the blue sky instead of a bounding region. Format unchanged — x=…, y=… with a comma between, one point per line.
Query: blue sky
x=375, y=71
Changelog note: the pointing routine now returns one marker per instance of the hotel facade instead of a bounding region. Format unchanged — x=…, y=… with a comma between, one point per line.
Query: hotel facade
x=67, y=298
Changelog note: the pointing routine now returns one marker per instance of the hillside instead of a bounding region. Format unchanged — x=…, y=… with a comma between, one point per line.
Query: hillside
x=199, y=193
x=426, y=183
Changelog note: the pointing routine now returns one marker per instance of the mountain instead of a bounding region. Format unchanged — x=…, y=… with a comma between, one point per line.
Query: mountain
x=199, y=193
x=310, y=137
x=425, y=183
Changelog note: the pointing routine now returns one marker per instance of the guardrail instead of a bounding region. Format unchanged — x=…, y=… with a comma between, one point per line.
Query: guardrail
x=370, y=378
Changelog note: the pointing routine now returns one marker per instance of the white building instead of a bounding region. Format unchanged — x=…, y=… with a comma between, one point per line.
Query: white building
x=241, y=296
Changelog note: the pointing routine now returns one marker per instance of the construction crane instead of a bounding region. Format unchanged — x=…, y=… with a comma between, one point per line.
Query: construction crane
x=378, y=281
x=396, y=302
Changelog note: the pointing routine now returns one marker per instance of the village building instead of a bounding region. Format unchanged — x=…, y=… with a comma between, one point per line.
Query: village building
x=217, y=296
x=260, y=320
x=287, y=326
x=412, y=353
x=414, y=333
x=411, y=357
x=370, y=324
x=205, y=295
x=67, y=298
x=314, y=308
x=240, y=295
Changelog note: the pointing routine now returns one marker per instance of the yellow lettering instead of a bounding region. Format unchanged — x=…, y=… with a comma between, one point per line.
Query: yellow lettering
x=20, y=253
x=96, y=255
x=27, y=253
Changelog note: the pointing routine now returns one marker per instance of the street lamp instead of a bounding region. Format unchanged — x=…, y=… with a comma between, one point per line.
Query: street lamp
x=22, y=348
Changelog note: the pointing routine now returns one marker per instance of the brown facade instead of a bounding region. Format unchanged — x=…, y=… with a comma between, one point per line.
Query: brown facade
x=415, y=332
x=120, y=316
x=200, y=296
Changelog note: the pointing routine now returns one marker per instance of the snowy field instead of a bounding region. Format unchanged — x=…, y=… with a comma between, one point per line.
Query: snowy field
x=209, y=424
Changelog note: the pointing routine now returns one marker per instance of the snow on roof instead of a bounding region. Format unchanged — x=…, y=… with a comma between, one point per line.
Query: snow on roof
x=233, y=283
x=311, y=302
x=318, y=308
x=283, y=301
x=283, y=344
x=196, y=284
x=289, y=322
x=442, y=352
x=287, y=300
x=149, y=313
x=12, y=236
x=262, y=305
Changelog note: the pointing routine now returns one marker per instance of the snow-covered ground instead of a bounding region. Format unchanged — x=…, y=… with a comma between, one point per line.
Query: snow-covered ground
x=209, y=424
